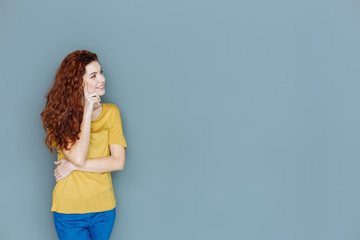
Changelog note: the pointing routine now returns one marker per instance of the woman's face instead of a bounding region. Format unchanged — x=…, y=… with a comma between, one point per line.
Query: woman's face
x=94, y=79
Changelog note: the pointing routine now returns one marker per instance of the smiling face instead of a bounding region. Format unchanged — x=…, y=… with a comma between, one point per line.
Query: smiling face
x=94, y=79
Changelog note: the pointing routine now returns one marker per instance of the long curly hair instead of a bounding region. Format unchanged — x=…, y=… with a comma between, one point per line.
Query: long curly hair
x=63, y=113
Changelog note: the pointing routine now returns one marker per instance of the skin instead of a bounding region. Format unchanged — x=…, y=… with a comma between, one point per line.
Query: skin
x=93, y=78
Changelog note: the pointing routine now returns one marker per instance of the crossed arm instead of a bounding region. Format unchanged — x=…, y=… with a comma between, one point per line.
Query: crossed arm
x=111, y=163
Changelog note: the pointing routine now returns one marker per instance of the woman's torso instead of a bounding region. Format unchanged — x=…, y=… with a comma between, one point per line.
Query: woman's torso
x=83, y=192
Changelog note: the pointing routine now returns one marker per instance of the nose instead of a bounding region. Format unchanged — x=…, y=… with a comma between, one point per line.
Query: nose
x=101, y=78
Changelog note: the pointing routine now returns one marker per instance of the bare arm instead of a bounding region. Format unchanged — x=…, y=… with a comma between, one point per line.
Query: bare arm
x=111, y=163
x=79, y=150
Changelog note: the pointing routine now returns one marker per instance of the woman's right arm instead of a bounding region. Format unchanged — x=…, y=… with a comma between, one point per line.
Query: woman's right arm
x=79, y=150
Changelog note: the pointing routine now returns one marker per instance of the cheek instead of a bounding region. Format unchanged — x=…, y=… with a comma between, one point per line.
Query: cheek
x=92, y=84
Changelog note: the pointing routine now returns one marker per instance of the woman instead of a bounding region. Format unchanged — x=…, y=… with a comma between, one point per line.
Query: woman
x=90, y=144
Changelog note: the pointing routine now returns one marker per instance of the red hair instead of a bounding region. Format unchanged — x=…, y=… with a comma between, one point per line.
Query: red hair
x=63, y=113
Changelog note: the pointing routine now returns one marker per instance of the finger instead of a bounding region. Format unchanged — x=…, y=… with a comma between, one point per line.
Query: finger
x=90, y=96
x=93, y=100
x=94, y=94
x=58, y=176
x=98, y=97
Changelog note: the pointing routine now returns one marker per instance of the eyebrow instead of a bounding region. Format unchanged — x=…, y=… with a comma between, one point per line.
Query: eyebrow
x=95, y=72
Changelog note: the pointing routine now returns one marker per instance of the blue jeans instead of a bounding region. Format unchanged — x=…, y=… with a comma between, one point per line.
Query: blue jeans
x=81, y=226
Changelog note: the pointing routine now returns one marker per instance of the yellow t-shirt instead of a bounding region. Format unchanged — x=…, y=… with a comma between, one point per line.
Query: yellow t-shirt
x=85, y=192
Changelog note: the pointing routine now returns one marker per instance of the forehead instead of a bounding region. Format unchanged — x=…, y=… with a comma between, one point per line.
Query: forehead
x=94, y=66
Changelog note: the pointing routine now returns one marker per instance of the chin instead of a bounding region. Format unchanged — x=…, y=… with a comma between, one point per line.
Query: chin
x=101, y=92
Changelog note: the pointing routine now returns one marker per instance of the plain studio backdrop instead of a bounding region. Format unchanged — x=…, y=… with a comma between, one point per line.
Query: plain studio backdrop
x=241, y=117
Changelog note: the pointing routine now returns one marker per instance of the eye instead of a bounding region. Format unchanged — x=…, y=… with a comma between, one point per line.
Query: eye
x=93, y=76
x=101, y=71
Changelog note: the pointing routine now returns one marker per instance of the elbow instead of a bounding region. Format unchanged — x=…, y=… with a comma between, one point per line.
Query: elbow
x=120, y=165
x=79, y=161
x=79, y=164
x=75, y=157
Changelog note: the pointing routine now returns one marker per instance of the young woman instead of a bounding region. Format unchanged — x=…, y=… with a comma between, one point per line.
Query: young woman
x=90, y=144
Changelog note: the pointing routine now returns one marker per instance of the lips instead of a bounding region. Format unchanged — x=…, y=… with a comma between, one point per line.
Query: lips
x=101, y=87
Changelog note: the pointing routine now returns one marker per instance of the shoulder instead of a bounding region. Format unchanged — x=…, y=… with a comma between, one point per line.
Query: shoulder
x=111, y=107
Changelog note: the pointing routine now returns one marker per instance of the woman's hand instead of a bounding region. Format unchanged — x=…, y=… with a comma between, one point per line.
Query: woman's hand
x=64, y=169
x=91, y=99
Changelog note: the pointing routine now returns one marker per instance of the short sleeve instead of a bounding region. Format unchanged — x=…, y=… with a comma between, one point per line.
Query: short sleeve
x=116, y=135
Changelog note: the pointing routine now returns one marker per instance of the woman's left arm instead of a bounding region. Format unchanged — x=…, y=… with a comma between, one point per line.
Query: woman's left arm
x=111, y=163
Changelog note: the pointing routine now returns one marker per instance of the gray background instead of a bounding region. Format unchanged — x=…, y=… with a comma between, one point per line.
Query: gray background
x=241, y=117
